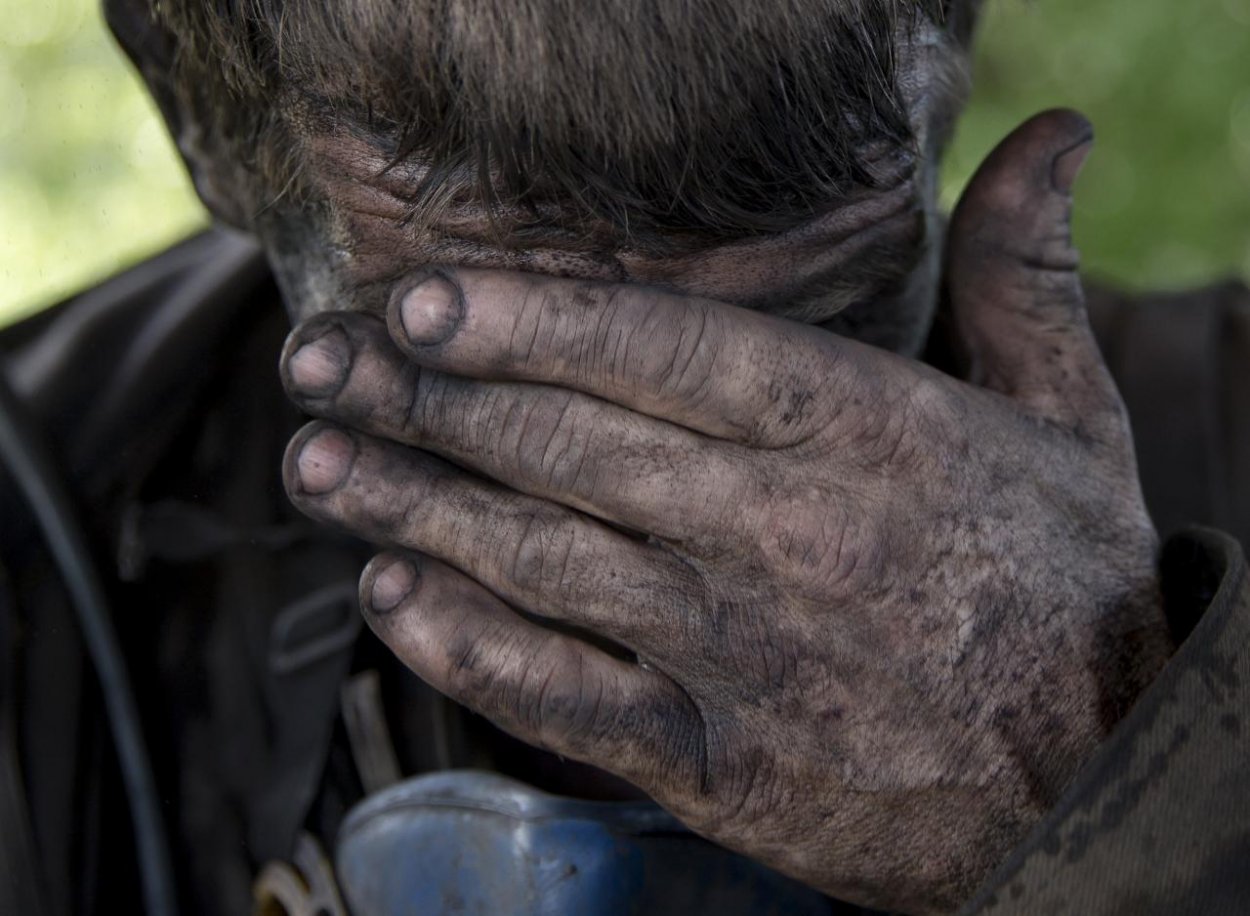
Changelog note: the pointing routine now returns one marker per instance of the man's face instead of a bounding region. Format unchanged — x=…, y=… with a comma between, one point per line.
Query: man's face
x=862, y=261
x=869, y=249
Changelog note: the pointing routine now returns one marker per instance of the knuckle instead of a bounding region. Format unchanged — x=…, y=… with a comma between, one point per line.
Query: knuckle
x=810, y=541
x=1047, y=269
x=1042, y=253
x=643, y=345
x=404, y=509
x=888, y=444
x=930, y=413
x=559, y=325
x=689, y=368
x=530, y=322
x=623, y=327
x=602, y=347
x=681, y=759
x=445, y=410
x=892, y=430
x=542, y=555
x=468, y=417
x=469, y=664
x=548, y=442
x=566, y=711
x=743, y=784
x=812, y=387
x=494, y=670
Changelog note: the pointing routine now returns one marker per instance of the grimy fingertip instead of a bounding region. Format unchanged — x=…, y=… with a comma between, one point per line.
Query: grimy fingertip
x=426, y=311
x=387, y=583
x=318, y=460
x=318, y=367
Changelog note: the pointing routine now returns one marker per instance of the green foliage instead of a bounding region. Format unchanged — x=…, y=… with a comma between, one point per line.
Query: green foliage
x=88, y=179
x=89, y=182
x=1165, y=198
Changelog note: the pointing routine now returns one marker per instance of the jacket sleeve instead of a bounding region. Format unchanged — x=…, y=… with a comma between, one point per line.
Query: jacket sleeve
x=1159, y=821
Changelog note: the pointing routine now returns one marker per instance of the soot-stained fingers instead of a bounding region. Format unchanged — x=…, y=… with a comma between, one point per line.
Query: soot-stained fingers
x=557, y=444
x=547, y=688
x=708, y=366
x=537, y=555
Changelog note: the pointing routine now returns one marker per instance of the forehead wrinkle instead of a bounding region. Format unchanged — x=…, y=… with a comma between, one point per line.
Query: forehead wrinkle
x=352, y=173
x=855, y=246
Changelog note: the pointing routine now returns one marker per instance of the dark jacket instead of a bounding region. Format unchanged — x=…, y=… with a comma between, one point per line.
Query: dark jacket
x=1159, y=820
x=159, y=395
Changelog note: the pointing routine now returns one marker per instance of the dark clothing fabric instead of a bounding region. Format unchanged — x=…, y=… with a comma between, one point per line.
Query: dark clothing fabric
x=159, y=394
x=1159, y=821
x=238, y=617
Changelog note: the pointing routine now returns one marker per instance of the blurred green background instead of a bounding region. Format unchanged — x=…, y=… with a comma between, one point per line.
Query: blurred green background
x=89, y=182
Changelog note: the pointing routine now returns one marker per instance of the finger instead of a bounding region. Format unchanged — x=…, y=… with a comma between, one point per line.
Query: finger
x=1013, y=277
x=549, y=442
x=536, y=555
x=546, y=688
x=711, y=367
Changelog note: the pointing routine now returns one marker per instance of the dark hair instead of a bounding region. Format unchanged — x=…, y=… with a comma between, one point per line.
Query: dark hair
x=721, y=118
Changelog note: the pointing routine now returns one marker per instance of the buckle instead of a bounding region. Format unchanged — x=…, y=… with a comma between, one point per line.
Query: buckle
x=313, y=628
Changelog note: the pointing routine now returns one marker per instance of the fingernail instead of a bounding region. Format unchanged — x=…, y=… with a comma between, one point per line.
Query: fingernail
x=1067, y=166
x=325, y=461
x=319, y=368
x=391, y=586
x=431, y=311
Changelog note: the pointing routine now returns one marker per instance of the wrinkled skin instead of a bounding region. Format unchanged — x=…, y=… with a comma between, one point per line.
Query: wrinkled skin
x=873, y=617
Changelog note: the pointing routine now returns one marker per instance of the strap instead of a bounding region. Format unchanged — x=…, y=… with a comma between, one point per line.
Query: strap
x=364, y=717
x=304, y=888
x=158, y=384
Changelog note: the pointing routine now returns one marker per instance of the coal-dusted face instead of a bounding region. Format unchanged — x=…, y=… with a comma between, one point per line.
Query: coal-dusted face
x=868, y=250
x=779, y=158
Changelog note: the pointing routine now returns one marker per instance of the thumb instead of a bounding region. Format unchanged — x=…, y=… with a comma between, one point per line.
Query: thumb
x=1012, y=273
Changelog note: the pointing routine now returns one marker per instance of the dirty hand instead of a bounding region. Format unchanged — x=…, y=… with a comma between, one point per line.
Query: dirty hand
x=872, y=618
